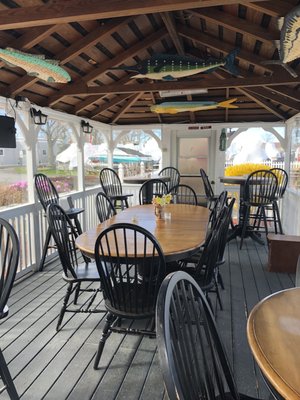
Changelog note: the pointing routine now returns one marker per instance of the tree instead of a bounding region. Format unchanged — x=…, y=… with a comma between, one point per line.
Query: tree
x=53, y=131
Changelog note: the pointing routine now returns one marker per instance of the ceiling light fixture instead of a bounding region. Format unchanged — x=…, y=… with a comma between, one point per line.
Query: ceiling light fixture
x=172, y=93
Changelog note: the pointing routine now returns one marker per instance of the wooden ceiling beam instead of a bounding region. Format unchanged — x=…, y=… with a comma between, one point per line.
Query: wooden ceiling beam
x=169, y=22
x=236, y=24
x=91, y=99
x=82, y=89
x=106, y=65
x=292, y=94
x=71, y=52
x=126, y=106
x=264, y=103
x=77, y=10
x=218, y=45
x=257, y=99
x=30, y=38
x=113, y=102
x=274, y=8
x=280, y=99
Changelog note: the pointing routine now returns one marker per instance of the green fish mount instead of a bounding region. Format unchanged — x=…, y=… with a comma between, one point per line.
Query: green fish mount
x=169, y=67
x=35, y=65
x=289, y=44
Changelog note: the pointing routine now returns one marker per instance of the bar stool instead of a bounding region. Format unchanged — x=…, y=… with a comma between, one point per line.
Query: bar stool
x=47, y=194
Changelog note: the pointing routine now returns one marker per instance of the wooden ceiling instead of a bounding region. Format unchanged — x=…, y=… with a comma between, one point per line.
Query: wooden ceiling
x=89, y=37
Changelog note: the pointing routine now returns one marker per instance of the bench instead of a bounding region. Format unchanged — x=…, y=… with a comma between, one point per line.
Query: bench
x=283, y=253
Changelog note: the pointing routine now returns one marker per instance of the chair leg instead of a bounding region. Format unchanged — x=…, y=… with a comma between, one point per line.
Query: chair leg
x=45, y=249
x=277, y=218
x=76, y=294
x=265, y=220
x=105, y=334
x=246, y=217
x=7, y=379
x=220, y=280
x=219, y=297
x=64, y=306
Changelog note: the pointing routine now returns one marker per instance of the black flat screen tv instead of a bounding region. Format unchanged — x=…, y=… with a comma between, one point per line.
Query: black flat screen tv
x=7, y=132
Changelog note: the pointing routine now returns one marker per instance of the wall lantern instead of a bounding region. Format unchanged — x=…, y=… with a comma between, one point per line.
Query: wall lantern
x=38, y=117
x=86, y=127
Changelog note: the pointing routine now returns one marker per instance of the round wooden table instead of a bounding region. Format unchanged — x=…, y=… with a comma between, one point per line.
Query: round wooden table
x=180, y=234
x=237, y=230
x=273, y=331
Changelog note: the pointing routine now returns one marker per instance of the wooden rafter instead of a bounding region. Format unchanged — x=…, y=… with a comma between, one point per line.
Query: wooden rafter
x=264, y=103
x=71, y=52
x=256, y=98
x=278, y=98
x=73, y=11
x=216, y=44
x=126, y=106
x=95, y=73
x=274, y=8
x=236, y=24
x=116, y=100
x=292, y=94
x=209, y=83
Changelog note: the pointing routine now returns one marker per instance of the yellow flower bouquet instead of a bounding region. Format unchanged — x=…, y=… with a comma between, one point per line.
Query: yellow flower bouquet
x=159, y=203
x=163, y=200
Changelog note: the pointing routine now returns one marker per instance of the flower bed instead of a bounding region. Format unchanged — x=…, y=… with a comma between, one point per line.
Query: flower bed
x=244, y=169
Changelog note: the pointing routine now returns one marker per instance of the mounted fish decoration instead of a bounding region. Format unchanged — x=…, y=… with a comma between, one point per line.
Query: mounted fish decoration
x=183, y=106
x=35, y=65
x=289, y=44
x=168, y=67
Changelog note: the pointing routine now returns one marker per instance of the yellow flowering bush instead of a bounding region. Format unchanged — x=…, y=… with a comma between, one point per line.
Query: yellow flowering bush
x=162, y=201
x=244, y=169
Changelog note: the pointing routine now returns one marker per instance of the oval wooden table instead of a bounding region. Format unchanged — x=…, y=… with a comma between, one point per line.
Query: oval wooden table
x=273, y=331
x=180, y=234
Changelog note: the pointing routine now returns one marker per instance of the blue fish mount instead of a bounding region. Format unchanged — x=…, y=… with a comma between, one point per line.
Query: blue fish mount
x=168, y=67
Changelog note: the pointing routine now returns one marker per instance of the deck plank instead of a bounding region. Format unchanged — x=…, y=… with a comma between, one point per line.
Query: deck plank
x=46, y=364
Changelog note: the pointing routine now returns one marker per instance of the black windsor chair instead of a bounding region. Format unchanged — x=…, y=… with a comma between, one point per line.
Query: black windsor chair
x=150, y=188
x=74, y=271
x=259, y=193
x=104, y=207
x=183, y=194
x=209, y=193
x=130, y=288
x=191, y=354
x=282, y=178
x=9, y=259
x=173, y=174
x=47, y=194
x=112, y=187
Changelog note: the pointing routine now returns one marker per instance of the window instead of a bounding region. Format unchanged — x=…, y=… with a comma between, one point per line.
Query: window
x=57, y=155
x=13, y=184
x=294, y=178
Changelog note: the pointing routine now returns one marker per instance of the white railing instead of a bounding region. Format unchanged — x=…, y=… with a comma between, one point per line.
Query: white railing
x=272, y=164
x=31, y=225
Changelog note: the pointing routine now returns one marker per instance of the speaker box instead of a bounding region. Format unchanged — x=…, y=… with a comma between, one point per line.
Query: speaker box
x=7, y=132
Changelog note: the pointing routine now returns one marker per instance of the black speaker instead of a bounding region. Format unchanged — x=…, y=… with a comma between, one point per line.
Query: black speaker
x=7, y=132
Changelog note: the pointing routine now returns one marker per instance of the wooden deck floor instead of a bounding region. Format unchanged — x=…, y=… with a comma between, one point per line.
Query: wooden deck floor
x=50, y=365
